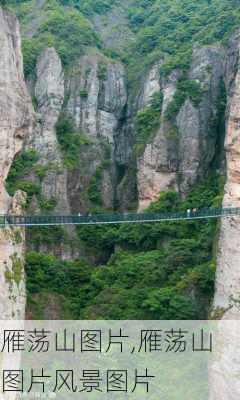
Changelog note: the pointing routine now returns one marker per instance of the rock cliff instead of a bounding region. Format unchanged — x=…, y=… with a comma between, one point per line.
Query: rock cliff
x=87, y=104
x=97, y=96
x=85, y=129
x=224, y=371
x=85, y=134
x=15, y=124
x=184, y=146
x=49, y=97
x=99, y=113
x=228, y=268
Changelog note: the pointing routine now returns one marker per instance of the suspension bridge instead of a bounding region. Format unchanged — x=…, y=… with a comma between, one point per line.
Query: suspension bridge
x=117, y=218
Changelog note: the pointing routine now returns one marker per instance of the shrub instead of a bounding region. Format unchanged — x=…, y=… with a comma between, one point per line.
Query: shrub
x=73, y=26
x=83, y=93
x=69, y=140
x=167, y=304
x=102, y=71
x=22, y=165
x=94, y=189
x=185, y=89
x=59, y=25
x=147, y=122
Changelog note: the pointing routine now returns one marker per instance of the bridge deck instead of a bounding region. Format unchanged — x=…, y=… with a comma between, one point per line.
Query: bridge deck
x=101, y=219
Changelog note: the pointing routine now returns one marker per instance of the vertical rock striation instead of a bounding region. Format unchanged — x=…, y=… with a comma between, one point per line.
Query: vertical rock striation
x=224, y=370
x=227, y=293
x=185, y=144
x=155, y=173
x=15, y=124
x=196, y=123
x=96, y=93
x=49, y=95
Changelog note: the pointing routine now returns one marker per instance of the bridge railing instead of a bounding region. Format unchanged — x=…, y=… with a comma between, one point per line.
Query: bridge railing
x=116, y=218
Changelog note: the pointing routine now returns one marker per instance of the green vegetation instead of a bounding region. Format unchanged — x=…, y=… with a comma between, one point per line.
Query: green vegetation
x=164, y=30
x=25, y=166
x=94, y=191
x=90, y=7
x=16, y=274
x=46, y=235
x=84, y=93
x=17, y=236
x=151, y=271
x=147, y=122
x=66, y=29
x=168, y=30
x=70, y=142
x=186, y=89
x=52, y=276
x=102, y=71
x=21, y=167
x=48, y=204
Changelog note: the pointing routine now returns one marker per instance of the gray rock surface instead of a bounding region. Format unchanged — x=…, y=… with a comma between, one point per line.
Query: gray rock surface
x=155, y=172
x=183, y=148
x=197, y=139
x=97, y=97
x=113, y=26
x=224, y=370
x=15, y=125
x=49, y=94
x=228, y=266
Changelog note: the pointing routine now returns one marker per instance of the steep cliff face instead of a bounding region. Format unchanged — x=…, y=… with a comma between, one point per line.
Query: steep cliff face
x=87, y=104
x=224, y=371
x=15, y=124
x=197, y=123
x=106, y=172
x=184, y=146
x=49, y=96
x=154, y=173
x=228, y=266
x=96, y=93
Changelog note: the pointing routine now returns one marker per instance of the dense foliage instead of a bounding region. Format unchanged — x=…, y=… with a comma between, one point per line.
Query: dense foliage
x=65, y=29
x=164, y=30
x=185, y=89
x=69, y=141
x=22, y=165
x=152, y=271
x=147, y=122
x=90, y=7
x=168, y=30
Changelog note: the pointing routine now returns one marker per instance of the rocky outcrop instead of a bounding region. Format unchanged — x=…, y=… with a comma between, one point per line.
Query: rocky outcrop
x=12, y=279
x=92, y=96
x=49, y=95
x=15, y=125
x=184, y=146
x=14, y=100
x=224, y=370
x=97, y=96
x=227, y=293
x=113, y=26
x=154, y=173
x=197, y=125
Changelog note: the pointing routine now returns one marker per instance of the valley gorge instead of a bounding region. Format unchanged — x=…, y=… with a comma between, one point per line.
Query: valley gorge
x=110, y=169
x=92, y=136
